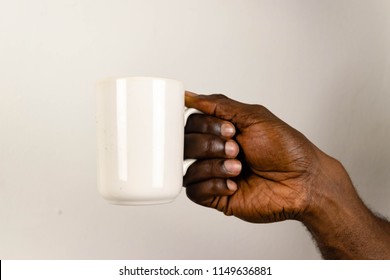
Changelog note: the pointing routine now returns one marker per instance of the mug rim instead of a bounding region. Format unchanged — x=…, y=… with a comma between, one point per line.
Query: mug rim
x=150, y=78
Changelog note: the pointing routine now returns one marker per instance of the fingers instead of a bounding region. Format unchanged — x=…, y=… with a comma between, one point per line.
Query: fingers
x=208, y=137
x=203, y=170
x=199, y=123
x=216, y=105
x=207, y=183
x=201, y=146
x=208, y=193
x=241, y=115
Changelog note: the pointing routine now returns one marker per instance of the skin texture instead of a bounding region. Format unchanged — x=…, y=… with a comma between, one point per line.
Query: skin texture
x=254, y=166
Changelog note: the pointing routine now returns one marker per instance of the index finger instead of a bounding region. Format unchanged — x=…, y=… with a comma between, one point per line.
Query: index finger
x=201, y=123
x=216, y=105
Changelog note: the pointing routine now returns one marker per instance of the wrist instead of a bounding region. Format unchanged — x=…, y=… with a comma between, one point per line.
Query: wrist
x=332, y=193
x=341, y=224
x=333, y=202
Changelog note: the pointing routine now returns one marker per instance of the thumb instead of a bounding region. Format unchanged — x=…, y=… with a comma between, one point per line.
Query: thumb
x=217, y=105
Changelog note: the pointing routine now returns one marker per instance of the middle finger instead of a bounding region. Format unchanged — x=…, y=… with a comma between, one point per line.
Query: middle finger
x=203, y=146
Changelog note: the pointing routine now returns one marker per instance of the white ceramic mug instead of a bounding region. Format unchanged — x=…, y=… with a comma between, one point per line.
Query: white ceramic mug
x=141, y=139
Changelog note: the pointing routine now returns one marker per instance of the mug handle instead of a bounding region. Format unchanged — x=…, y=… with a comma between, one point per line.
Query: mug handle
x=188, y=112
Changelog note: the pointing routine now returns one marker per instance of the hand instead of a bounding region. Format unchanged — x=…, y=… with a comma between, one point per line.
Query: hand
x=277, y=165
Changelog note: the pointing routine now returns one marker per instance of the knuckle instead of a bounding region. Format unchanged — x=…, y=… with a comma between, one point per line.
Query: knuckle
x=262, y=111
x=218, y=168
x=217, y=184
x=219, y=96
x=214, y=145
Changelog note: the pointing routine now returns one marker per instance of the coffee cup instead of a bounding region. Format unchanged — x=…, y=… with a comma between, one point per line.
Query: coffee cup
x=140, y=124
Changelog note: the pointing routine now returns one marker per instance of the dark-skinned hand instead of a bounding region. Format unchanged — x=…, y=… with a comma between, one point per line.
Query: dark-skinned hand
x=269, y=180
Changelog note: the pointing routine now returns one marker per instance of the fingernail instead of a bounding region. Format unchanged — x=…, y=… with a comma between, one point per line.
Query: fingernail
x=232, y=166
x=227, y=130
x=189, y=93
x=231, y=148
x=231, y=185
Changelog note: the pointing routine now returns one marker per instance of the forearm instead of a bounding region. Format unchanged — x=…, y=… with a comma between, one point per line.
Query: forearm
x=342, y=226
x=362, y=236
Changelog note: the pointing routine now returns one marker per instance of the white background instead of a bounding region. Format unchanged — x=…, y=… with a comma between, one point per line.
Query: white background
x=322, y=66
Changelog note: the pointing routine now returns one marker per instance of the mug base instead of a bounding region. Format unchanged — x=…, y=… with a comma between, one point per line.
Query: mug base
x=139, y=203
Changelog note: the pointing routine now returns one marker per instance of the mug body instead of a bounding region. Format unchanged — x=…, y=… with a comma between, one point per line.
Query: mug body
x=140, y=139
